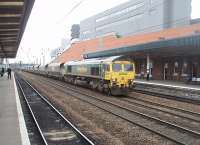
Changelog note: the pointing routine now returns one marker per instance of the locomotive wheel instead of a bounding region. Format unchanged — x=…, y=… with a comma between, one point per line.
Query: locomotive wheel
x=94, y=85
x=100, y=87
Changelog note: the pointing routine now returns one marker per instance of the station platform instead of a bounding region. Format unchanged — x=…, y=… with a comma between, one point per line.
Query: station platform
x=172, y=88
x=12, y=125
x=170, y=84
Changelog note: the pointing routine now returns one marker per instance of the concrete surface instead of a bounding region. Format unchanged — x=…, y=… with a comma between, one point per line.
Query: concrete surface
x=9, y=113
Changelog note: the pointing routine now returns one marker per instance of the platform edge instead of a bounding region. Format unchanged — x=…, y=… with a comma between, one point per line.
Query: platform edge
x=23, y=130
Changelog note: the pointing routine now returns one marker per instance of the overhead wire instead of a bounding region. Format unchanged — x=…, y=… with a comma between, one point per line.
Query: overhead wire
x=72, y=10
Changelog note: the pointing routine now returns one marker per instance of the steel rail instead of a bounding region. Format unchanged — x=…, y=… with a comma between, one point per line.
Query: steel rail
x=139, y=113
x=132, y=102
x=60, y=114
x=168, y=96
x=165, y=106
x=32, y=114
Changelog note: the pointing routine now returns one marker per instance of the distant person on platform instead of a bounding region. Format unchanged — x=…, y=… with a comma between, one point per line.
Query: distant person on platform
x=2, y=72
x=9, y=73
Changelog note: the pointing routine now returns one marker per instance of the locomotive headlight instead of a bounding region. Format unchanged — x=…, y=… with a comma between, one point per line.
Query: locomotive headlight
x=114, y=79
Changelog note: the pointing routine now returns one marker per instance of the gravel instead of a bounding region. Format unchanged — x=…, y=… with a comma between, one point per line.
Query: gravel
x=102, y=127
x=169, y=102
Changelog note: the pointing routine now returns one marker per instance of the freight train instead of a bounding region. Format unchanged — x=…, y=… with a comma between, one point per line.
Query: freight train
x=113, y=75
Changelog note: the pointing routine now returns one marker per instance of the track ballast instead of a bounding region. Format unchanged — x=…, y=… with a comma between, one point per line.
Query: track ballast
x=54, y=128
x=167, y=129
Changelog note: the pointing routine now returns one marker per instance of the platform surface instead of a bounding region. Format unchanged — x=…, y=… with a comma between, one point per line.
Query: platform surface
x=172, y=84
x=9, y=116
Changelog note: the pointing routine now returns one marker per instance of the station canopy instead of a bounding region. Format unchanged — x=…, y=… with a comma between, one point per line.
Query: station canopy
x=13, y=18
x=189, y=45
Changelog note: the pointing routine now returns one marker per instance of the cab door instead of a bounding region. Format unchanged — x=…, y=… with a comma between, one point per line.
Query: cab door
x=106, y=71
x=102, y=70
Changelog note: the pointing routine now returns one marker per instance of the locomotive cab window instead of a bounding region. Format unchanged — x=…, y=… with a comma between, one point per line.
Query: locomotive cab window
x=117, y=67
x=106, y=67
x=69, y=69
x=128, y=67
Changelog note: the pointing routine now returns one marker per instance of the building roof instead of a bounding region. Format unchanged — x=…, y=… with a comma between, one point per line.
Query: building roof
x=190, y=43
x=13, y=18
x=110, y=43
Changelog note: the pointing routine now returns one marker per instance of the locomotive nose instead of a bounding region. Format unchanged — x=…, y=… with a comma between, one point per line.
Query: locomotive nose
x=120, y=81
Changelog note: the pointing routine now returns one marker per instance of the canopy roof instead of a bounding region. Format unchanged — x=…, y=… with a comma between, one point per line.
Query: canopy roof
x=189, y=45
x=13, y=18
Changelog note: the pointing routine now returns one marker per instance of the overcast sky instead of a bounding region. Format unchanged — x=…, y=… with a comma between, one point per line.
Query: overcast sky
x=49, y=23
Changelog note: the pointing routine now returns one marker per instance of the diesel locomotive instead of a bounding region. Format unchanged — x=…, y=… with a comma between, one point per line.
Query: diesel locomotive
x=114, y=75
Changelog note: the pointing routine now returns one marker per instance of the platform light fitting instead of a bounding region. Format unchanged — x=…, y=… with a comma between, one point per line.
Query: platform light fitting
x=10, y=15
x=10, y=3
x=9, y=29
x=2, y=23
x=8, y=34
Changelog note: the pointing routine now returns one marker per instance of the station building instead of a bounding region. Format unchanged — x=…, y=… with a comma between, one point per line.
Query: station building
x=158, y=36
x=170, y=54
x=137, y=17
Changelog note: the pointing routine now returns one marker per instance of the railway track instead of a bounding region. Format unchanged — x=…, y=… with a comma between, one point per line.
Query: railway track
x=184, y=114
x=54, y=128
x=168, y=96
x=167, y=129
x=178, y=112
x=193, y=116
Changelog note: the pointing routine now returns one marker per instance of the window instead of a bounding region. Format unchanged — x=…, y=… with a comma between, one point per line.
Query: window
x=139, y=5
x=152, y=12
x=133, y=18
x=128, y=67
x=123, y=11
x=153, y=1
x=69, y=69
x=95, y=71
x=116, y=67
x=184, y=68
x=138, y=16
x=86, y=32
x=176, y=68
x=106, y=67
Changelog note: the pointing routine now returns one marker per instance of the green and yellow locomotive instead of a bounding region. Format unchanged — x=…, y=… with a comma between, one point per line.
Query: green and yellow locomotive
x=113, y=75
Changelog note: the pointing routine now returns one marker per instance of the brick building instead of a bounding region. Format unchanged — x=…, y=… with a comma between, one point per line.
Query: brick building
x=171, y=54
